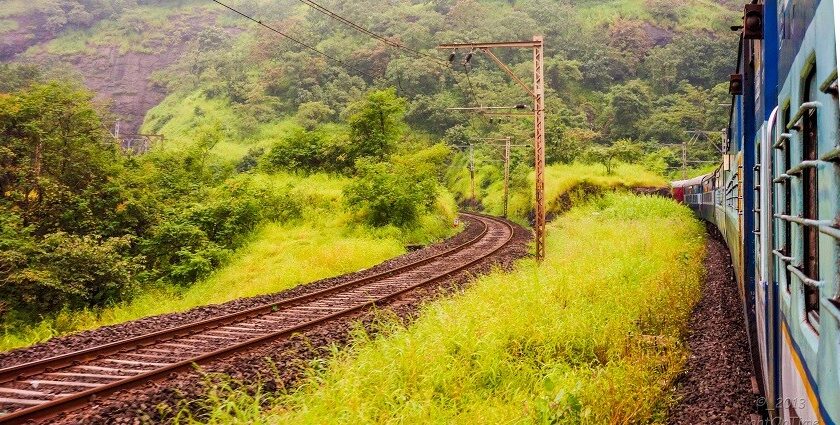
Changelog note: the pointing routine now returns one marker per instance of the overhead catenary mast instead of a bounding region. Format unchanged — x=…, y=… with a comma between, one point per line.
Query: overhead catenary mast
x=537, y=93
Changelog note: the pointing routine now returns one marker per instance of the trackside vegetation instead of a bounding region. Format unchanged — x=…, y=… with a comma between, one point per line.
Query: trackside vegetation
x=92, y=235
x=565, y=184
x=593, y=335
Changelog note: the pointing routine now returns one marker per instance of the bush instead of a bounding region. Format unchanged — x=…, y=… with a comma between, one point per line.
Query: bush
x=388, y=193
x=250, y=160
x=196, y=238
x=63, y=270
x=310, y=151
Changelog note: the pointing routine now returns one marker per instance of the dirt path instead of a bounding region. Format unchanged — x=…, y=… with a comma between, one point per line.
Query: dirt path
x=716, y=386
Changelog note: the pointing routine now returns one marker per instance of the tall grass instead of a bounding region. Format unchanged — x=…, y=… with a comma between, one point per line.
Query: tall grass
x=592, y=335
x=560, y=180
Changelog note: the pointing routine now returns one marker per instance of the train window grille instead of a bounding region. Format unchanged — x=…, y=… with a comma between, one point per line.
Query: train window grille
x=810, y=206
x=787, y=250
x=757, y=195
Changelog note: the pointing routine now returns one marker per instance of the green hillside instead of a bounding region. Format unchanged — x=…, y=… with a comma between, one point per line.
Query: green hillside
x=263, y=136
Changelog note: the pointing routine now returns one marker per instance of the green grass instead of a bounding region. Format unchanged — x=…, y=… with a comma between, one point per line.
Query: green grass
x=16, y=7
x=593, y=335
x=7, y=25
x=561, y=180
x=279, y=256
x=179, y=116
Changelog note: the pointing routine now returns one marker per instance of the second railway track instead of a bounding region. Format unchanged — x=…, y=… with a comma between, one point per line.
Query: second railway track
x=62, y=383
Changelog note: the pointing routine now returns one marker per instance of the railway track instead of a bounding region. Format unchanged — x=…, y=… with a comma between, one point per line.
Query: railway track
x=50, y=386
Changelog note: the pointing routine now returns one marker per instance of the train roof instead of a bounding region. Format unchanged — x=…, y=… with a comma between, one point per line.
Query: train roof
x=690, y=182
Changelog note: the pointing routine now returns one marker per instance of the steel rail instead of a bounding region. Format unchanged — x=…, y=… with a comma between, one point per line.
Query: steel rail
x=75, y=400
x=15, y=372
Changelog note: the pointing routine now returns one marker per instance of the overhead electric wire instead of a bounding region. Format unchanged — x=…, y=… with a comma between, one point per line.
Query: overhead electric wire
x=469, y=81
x=295, y=40
x=364, y=30
x=443, y=64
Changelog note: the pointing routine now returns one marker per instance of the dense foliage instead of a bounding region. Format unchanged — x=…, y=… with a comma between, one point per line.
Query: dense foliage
x=640, y=70
x=83, y=224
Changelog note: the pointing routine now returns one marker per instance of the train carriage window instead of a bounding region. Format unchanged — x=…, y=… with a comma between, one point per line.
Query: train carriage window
x=810, y=210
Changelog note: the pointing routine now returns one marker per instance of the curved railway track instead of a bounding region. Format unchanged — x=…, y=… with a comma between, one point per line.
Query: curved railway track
x=47, y=387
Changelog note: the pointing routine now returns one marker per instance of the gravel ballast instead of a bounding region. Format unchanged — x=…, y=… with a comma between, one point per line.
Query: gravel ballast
x=275, y=365
x=716, y=387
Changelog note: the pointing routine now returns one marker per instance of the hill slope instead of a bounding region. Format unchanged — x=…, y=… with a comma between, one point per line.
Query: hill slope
x=120, y=48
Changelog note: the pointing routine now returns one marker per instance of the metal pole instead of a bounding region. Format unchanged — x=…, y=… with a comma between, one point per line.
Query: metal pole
x=538, y=94
x=507, y=173
x=685, y=160
x=539, y=145
x=472, y=172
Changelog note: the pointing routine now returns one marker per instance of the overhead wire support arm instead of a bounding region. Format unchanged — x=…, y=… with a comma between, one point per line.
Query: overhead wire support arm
x=493, y=44
x=507, y=70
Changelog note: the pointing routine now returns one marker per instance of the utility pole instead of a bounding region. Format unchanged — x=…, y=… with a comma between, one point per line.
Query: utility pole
x=507, y=174
x=539, y=145
x=685, y=160
x=472, y=173
x=506, y=160
x=537, y=93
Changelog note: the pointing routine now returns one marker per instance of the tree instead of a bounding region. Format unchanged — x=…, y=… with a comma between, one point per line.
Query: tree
x=700, y=59
x=57, y=165
x=565, y=145
x=624, y=150
x=311, y=151
x=629, y=104
x=632, y=40
x=397, y=192
x=311, y=114
x=376, y=123
x=14, y=77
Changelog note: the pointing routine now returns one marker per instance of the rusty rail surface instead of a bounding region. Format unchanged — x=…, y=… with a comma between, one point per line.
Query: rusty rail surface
x=50, y=386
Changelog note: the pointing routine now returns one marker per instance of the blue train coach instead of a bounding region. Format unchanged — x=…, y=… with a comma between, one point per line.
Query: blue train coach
x=776, y=200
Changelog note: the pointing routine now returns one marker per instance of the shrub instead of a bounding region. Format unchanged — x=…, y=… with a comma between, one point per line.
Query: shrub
x=250, y=160
x=389, y=193
x=197, y=237
x=63, y=270
x=310, y=151
x=376, y=123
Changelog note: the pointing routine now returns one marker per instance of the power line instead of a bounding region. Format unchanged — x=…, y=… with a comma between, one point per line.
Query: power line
x=444, y=65
x=364, y=30
x=358, y=27
x=469, y=81
x=295, y=40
